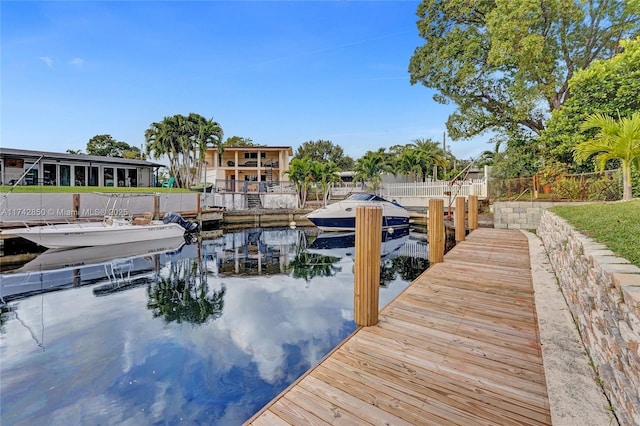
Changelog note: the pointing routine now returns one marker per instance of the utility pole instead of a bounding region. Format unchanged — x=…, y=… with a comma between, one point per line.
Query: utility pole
x=444, y=149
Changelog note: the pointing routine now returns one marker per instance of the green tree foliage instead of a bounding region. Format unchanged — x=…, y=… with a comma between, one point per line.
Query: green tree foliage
x=416, y=159
x=609, y=87
x=520, y=158
x=300, y=174
x=107, y=146
x=506, y=64
x=240, y=141
x=184, y=141
x=429, y=154
x=323, y=175
x=325, y=151
x=615, y=139
x=304, y=173
x=370, y=167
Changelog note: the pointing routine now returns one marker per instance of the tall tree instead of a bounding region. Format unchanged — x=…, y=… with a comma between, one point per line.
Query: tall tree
x=615, y=139
x=610, y=86
x=370, y=167
x=428, y=155
x=240, y=141
x=184, y=141
x=407, y=163
x=506, y=64
x=325, y=151
x=323, y=175
x=300, y=173
x=107, y=146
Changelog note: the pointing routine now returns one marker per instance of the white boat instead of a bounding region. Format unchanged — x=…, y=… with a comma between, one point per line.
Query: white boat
x=118, y=227
x=341, y=216
x=107, y=232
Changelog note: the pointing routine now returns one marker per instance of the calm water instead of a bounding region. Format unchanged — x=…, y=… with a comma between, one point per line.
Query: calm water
x=203, y=333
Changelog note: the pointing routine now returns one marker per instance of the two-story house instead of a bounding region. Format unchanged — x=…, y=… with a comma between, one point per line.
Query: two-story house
x=247, y=168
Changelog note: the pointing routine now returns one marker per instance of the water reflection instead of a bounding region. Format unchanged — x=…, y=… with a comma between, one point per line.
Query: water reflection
x=194, y=333
x=182, y=294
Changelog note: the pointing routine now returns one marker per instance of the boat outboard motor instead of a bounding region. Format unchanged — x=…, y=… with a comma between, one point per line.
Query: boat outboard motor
x=173, y=217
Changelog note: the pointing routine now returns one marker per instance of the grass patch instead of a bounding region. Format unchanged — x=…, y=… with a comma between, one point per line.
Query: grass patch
x=616, y=225
x=30, y=189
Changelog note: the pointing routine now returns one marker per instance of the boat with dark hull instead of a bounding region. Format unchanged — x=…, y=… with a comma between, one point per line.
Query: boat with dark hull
x=341, y=216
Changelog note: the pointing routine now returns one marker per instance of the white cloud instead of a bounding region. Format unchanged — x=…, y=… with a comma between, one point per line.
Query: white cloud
x=47, y=60
x=77, y=62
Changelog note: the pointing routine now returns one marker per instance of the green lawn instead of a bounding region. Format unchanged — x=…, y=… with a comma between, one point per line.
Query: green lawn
x=79, y=189
x=616, y=225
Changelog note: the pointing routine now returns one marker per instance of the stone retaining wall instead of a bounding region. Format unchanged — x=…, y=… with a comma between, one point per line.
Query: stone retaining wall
x=520, y=214
x=602, y=291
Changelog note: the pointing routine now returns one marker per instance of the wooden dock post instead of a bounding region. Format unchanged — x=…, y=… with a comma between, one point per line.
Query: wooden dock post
x=460, y=218
x=435, y=230
x=473, y=212
x=156, y=206
x=367, y=265
x=75, y=210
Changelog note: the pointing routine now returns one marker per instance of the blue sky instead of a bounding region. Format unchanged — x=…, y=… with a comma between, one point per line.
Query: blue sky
x=280, y=73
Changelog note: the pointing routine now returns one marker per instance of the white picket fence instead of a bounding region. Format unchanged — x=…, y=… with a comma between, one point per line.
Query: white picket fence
x=433, y=189
x=436, y=189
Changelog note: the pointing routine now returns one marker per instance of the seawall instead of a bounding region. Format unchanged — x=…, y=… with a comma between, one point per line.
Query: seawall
x=602, y=291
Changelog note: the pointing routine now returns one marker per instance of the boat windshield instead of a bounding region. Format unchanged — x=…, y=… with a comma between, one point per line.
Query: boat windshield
x=366, y=197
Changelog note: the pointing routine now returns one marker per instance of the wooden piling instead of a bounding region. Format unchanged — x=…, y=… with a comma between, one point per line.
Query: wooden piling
x=367, y=265
x=473, y=212
x=75, y=209
x=460, y=219
x=156, y=206
x=435, y=230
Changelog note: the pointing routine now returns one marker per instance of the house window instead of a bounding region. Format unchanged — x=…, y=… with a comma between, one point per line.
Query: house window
x=30, y=178
x=79, y=175
x=122, y=177
x=132, y=177
x=50, y=174
x=107, y=176
x=93, y=176
x=254, y=155
x=65, y=175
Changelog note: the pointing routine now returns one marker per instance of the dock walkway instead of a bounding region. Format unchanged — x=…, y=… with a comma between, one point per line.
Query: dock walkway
x=459, y=346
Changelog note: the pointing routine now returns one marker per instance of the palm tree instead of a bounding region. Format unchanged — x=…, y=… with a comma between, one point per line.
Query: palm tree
x=369, y=168
x=615, y=139
x=429, y=154
x=408, y=163
x=325, y=174
x=206, y=133
x=300, y=173
x=184, y=141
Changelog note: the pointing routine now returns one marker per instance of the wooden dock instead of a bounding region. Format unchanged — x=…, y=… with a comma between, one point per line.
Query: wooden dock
x=459, y=346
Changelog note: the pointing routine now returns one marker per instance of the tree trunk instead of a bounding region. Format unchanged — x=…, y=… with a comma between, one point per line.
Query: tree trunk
x=626, y=182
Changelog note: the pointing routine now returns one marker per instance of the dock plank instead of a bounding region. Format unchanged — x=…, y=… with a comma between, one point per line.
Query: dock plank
x=459, y=346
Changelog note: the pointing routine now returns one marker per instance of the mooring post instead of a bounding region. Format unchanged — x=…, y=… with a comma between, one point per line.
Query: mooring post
x=435, y=230
x=75, y=210
x=156, y=206
x=460, y=218
x=473, y=212
x=367, y=264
